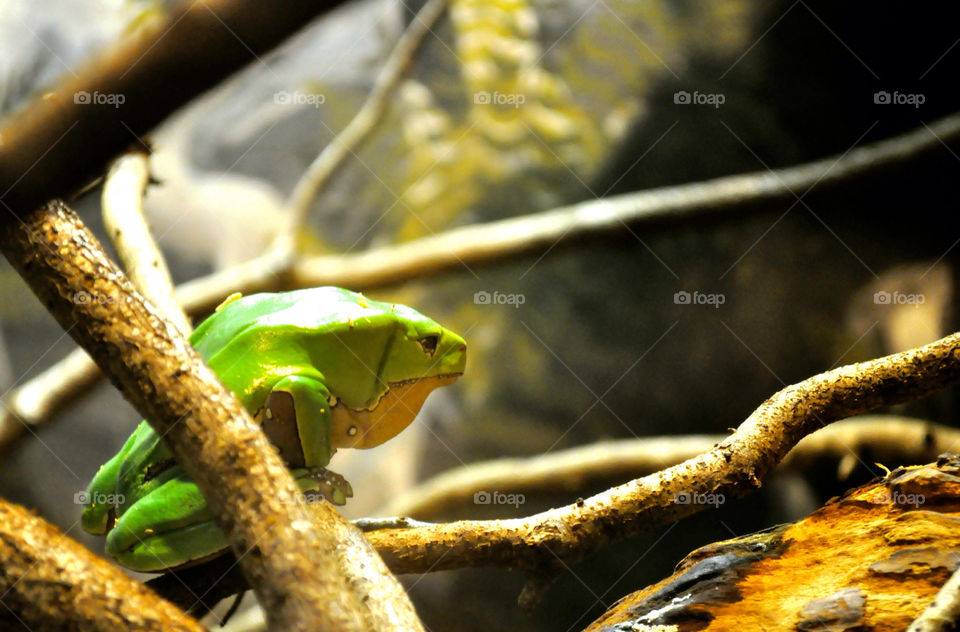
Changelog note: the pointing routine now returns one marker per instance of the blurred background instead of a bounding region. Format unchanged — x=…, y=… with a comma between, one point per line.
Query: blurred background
x=519, y=106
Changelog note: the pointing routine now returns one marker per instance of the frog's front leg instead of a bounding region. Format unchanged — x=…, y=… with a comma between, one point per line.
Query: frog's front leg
x=296, y=418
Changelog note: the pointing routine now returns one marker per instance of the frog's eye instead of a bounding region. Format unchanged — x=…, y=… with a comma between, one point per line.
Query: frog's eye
x=429, y=344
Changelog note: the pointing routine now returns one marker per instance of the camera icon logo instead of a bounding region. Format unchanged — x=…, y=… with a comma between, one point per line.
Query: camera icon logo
x=481, y=298
x=682, y=498
x=81, y=498
x=481, y=98
x=881, y=298
x=881, y=98
x=82, y=97
x=682, y=298
x=481, y=498
x=682, y=97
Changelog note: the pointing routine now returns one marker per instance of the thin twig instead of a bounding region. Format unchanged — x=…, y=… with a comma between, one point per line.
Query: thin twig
x=333, y=156
x=885, y=438
x=126, y=225
x=537, y=232
x=50, y=582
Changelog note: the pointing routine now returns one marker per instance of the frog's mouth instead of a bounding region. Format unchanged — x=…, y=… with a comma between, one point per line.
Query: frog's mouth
x=387, y=417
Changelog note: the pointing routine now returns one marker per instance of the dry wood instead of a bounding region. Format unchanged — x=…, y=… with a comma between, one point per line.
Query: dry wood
x=733, y=467
x=870, y=560
x=50, y=582
x=122, y=208
x=540, y=232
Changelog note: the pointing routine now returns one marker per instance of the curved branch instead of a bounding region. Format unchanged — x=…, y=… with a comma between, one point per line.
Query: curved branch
x=126, y=225
x=543, y=543
x=733, y=467
x=886, y=438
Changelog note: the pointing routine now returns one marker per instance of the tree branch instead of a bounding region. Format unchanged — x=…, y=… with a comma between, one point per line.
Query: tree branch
x=50, y=582
x=41, y=146
x=886, y=438
x=537, y=232
x=126, y=225
x=542, y=544
x=291, y=564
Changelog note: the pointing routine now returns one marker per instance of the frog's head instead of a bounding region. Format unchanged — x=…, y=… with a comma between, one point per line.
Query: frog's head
x=405, y=356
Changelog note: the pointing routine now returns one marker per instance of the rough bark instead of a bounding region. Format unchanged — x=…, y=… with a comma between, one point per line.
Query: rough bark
x=843, y=445
x=50, y=582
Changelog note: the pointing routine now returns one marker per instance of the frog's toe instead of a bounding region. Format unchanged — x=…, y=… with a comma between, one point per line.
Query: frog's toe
x=97, y=519
x=332, y=486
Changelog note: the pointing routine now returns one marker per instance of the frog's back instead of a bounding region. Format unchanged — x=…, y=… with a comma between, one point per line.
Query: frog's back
x=311, y=308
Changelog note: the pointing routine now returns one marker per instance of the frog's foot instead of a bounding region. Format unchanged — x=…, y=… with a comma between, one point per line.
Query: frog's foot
x=327, y=483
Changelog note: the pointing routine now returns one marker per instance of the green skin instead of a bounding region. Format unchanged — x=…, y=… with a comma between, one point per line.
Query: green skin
x=319, y=368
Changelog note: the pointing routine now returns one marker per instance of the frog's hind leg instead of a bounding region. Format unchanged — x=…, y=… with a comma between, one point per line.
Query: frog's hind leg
x=176, y=548
x=169, y=527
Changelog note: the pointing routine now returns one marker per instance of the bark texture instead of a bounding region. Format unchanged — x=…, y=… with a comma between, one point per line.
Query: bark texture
x=50, y=582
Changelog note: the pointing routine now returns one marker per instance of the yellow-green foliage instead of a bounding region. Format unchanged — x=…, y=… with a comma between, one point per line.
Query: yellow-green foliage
x=519, y=117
